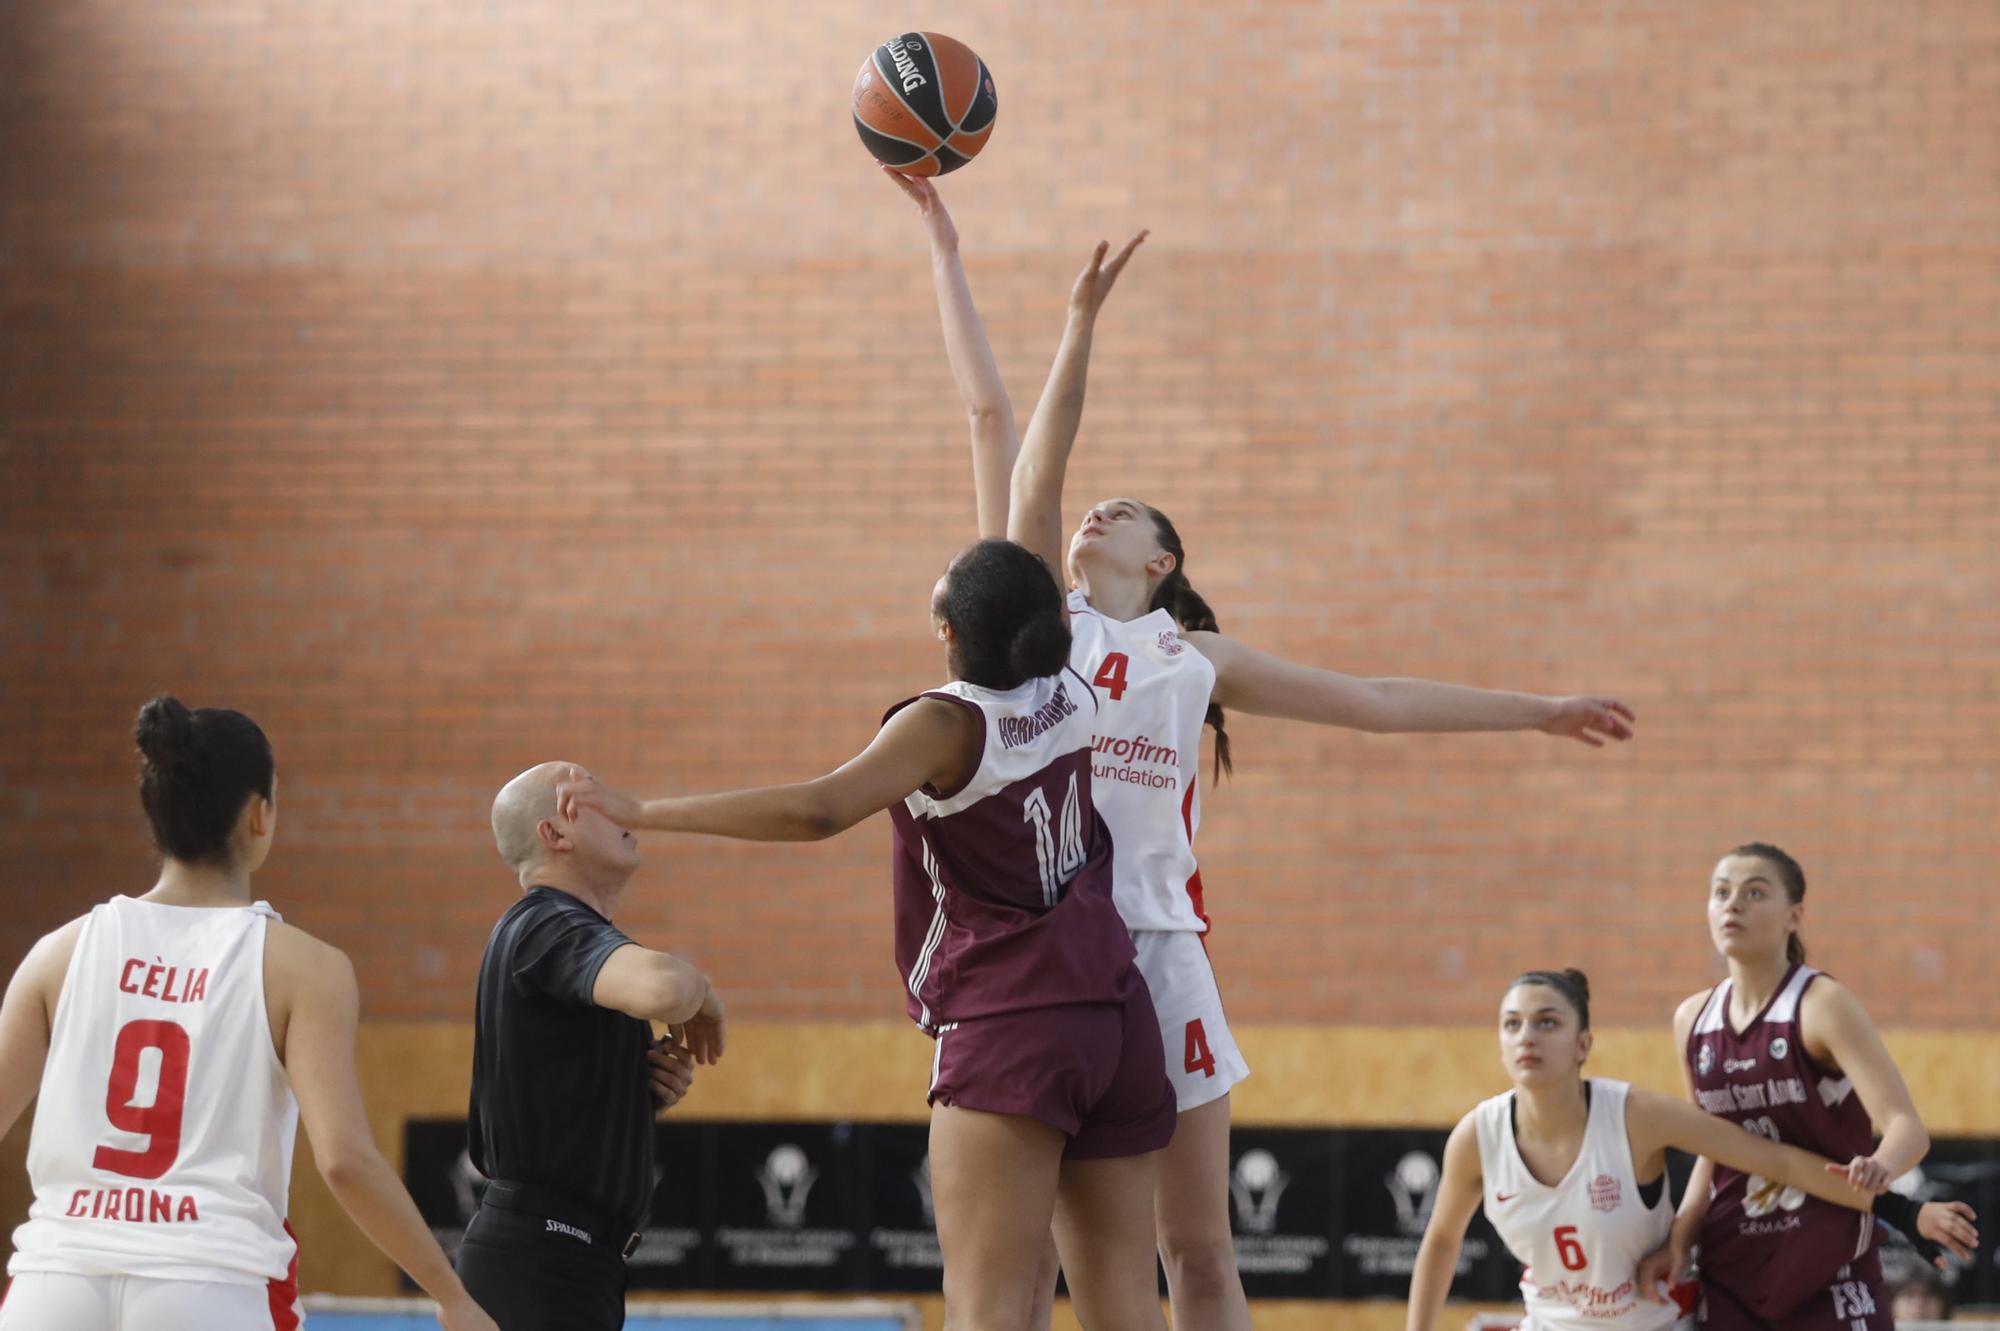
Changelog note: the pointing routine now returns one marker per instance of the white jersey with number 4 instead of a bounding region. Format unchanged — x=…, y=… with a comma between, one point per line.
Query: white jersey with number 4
x=1580, y=1241
x=162, y=1143
x=1153, y=690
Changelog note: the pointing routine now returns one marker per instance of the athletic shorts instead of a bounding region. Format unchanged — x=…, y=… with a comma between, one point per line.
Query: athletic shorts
x=1091, y=1071
x=1203, y=1061
x=1854, y=1301
x=56, y=1301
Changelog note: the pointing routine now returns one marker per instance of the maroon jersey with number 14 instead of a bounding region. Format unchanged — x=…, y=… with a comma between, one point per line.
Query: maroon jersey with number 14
x=1003, y=885
x=1772, y=1248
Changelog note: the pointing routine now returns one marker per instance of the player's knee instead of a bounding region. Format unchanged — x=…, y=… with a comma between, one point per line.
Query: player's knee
x=990, y=1306
x=1199, y=1266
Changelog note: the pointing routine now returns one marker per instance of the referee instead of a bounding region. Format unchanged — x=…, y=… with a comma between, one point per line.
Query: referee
x=566, y=1074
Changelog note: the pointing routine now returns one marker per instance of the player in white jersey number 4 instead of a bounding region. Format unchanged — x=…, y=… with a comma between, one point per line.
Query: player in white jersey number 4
x=1572, y=1173
x=1149, y=643
x=175, y=1040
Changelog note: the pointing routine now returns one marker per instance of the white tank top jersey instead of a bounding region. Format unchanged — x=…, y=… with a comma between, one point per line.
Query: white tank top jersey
x=1581, y=1241
x=162, y=1143
x=1153, y=690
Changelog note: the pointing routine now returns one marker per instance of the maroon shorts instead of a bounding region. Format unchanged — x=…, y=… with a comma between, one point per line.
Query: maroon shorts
x=1095, y=1072
x=1853, y=1300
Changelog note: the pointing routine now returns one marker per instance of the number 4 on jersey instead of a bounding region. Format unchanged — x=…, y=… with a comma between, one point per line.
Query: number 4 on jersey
x=1111, y=674
x=1199, y=1059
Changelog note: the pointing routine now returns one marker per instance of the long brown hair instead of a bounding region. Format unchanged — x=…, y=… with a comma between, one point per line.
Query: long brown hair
x=1177, y=596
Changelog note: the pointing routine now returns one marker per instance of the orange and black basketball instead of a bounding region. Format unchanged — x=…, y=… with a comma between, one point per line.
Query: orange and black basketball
x=923, y=104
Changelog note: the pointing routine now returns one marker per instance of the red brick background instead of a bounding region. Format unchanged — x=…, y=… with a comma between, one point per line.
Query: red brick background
x=457, y=386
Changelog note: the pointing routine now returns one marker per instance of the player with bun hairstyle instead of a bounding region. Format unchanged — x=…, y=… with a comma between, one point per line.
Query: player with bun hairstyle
x=1049, y=1095
x=1788, y=1053
x=1135, y=615
x=1571, y=1170
x=231, y=1026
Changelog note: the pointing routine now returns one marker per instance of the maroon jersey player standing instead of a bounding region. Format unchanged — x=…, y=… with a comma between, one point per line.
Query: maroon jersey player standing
x=1787, y=1052
x=1049, y=1091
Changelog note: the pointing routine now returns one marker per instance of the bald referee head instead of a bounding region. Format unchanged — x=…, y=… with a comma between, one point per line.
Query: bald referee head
x=541, y=846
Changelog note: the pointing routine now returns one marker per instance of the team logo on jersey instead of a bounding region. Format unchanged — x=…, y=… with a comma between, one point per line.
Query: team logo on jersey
x=1254, y=1187
x=1170, y=643
x=1605, y=1193
x=1762, y=1196
x=1780, y=1047
x=787, y=1179
x=1704, y=1060
x=1413, y=1187
x=1738, y=1064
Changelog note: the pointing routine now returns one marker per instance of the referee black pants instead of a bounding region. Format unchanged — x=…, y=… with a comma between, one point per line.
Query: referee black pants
x=529, y=1277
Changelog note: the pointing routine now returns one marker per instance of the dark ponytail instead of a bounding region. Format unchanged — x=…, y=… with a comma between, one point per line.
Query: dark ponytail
x=1006, y=616
x=1177, y=596
x=1793, y=879
x=197, y=770
x=1572, y=984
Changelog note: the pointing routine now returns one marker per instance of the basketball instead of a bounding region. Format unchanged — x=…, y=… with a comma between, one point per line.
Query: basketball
x=924, y=104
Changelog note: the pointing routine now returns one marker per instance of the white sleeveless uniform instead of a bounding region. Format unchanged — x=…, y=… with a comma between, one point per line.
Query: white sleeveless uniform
x=1581, y=1241
x=1153, y=691
x=161, y=1153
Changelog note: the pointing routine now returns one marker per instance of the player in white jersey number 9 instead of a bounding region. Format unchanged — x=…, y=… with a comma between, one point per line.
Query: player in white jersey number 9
x=1572, y=1173
x=161, y=1196
x=1136, y=615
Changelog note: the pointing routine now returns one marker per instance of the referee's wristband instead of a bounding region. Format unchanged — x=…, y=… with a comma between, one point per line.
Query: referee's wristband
x=1900, y=1213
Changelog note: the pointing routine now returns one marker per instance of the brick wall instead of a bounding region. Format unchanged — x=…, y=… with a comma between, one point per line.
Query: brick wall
x=456, y=387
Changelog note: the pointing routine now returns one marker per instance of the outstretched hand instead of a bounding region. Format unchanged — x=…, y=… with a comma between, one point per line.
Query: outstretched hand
x=930, y=206
x=1590, y=720
x=1950, y=1226
x=579, y=790
x=1094, y=283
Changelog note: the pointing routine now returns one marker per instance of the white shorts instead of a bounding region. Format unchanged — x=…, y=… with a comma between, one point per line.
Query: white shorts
x=1203, y=1061
x=53, y=1301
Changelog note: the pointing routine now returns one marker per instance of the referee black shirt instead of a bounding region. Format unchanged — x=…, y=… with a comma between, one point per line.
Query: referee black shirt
x=561, y=1094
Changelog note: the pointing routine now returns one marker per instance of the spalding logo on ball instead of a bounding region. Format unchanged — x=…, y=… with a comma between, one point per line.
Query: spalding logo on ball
x=924, y=104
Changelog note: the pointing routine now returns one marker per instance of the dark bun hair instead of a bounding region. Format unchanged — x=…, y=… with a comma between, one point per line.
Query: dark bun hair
x=165, y=731
x=1006, y=616
x=199, y=769
x=1572, y=984
x=1040, y=647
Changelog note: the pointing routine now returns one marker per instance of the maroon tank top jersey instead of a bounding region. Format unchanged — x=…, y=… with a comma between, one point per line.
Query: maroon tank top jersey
x=1003, y=885
x=1771, y=1247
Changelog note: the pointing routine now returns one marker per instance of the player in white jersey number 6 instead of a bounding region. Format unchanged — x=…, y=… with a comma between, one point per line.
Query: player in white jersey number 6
x=1135, y=616
x=176, y=1039
x=1572, y=1173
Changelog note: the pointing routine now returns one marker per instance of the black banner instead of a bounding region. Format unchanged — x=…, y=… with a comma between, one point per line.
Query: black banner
x=844, y=1208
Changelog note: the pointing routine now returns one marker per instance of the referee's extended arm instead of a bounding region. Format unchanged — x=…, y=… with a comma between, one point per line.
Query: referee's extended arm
x=656, y=986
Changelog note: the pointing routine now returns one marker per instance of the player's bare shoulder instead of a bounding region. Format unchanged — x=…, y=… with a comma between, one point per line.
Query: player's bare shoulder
x=301, y=969
x=43, y=970
x=1688, y=1011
